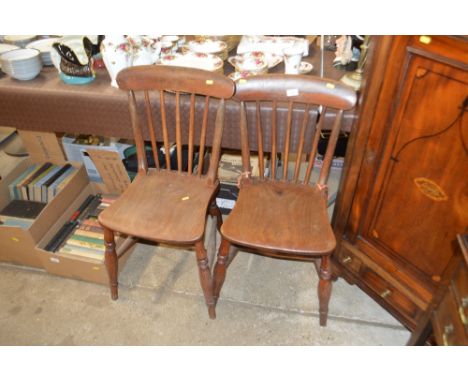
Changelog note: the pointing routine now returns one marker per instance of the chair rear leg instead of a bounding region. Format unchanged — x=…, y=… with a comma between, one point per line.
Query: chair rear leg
x=324, y=289
x=220, y=267
x=111, y=262
x=206, y=280
x=216, y=212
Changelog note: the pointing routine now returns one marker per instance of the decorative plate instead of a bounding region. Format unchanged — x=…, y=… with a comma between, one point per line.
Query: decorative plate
x=203, y=61
x=207, y=46
x=305, y=67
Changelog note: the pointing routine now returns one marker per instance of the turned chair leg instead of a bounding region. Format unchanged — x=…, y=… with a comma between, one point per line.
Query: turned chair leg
x=324, y=289
x=216, y=212
x=206, y=280
x=111, y=262
x=220, y=268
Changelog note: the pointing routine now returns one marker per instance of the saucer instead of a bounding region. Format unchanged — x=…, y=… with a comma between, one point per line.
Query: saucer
x=305, y=67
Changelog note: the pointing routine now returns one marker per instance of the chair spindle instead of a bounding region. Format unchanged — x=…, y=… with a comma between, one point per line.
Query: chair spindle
x=260, y=140
x=201, y=153
x=149, y=117
x=325, y=171
x=273, y=141
x=191, y=133
x=164, y=129
x=287, y=142
x=300, y=148
x=314, y=146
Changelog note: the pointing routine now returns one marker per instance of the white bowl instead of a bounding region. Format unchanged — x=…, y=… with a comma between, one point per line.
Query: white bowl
x=20, y=40
x=6, y=48
x=45, y=47
x=22, y=64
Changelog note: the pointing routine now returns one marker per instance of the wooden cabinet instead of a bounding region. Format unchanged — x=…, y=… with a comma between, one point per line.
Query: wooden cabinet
x=404, y=196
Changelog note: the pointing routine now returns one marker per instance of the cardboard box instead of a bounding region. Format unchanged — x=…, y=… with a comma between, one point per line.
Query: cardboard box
x=230, y=167
x=17, y=245
x=77, y=152
x=78, y=267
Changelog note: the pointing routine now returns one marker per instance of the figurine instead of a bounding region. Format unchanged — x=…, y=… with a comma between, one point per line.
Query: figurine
x=72, y=70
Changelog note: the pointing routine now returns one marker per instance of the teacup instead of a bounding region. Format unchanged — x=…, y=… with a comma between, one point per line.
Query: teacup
x=292, y=59
x=252, y=62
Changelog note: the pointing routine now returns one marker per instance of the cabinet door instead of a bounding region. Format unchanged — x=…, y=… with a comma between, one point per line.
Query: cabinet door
x=419, y=200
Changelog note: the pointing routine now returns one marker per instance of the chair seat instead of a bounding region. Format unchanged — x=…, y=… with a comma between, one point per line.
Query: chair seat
x=280, y=217
x=161, y=206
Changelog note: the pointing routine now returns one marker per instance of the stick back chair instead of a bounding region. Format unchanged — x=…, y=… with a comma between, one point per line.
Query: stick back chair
x=164, y=204
x=282, y=215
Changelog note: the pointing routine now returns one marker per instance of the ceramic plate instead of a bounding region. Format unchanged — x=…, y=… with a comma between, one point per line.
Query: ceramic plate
x=203, y=61
x=207, y=46
x=44, y=45
x=273, y=59
x=305, y=67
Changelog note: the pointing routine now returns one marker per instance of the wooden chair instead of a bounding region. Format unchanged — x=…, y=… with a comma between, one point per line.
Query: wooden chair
x=278, y=215
x=164, y=204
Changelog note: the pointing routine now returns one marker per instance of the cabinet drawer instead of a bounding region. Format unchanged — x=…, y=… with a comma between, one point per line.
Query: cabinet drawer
x=389, y=294
x=349, y=261
x=448, y=327
x=460, y=291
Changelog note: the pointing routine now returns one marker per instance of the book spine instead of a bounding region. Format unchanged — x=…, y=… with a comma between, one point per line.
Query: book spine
x=25, y=185
x=52, y=187
x=85, y=244
x=45, y=187
x=87, y=233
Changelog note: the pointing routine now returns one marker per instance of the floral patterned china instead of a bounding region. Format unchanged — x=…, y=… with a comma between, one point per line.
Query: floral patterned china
x=305, y=67
x=253, y=62
x=189, y=59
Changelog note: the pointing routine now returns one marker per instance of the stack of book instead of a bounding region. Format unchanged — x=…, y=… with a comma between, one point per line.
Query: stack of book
x=41, y=182
x=20, y=213
x=87, y=239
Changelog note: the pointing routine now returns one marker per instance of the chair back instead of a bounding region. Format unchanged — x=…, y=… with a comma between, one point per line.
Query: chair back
x=156, y=96
x=305, y=98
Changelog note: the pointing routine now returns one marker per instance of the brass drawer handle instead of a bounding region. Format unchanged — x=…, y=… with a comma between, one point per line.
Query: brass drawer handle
x=347, y=260
x=448, y=329
x=461, y=312
x=464, y=302
x=386, y=293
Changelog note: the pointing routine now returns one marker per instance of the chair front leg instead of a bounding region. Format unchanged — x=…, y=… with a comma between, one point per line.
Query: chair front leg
x=324, y=289
x=220, y=268
x=206, y=280
x=111, y=262
x=216, y=212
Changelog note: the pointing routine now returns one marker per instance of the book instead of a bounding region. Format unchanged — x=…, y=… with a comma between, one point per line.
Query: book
x=61, y=185
x=35, y=186
x=91, y=253
x=69, y=226
x=13, y=186
x=17, y=222
x=24, y=184
x=51, y=189
x=87, y=242
x=88, y=233
x=24, y=209
x=51, y=180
